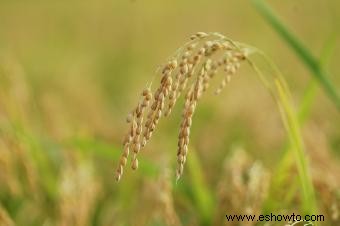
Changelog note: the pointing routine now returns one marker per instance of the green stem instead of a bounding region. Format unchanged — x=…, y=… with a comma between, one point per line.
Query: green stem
x=281, y=94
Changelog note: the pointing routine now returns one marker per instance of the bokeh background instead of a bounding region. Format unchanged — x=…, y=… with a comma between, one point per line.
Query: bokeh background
x=70, y=71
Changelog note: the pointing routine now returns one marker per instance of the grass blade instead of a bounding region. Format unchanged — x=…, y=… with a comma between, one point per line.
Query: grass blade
x=307, y=58
x=202, y=195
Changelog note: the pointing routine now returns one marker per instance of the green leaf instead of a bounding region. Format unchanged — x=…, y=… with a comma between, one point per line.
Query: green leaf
x=302, y=52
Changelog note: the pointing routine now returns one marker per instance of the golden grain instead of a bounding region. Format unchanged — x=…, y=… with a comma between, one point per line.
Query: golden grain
x=194, y=64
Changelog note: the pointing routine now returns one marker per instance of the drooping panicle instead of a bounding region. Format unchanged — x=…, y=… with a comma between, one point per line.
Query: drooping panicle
x=188, y=71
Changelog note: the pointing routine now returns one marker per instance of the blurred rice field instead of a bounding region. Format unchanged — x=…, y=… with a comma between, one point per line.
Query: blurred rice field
x=70, y=71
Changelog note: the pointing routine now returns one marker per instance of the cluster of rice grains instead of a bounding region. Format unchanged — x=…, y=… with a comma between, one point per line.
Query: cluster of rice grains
x=189, y=70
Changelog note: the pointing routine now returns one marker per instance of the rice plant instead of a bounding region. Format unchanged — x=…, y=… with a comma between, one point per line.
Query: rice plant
x=193, y=65
x=247, y=129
